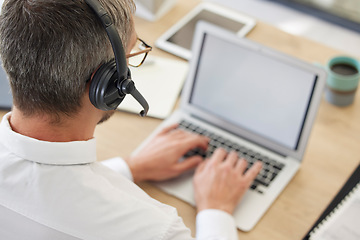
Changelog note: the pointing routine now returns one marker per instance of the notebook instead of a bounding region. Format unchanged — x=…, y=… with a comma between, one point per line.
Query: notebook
x=340, y=219
x=168, y=73
x=250, y=98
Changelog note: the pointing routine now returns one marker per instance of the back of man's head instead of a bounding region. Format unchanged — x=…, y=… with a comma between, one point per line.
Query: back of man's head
x=49, y=49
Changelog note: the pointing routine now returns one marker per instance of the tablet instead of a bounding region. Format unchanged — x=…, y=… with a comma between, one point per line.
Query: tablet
x=178, y=39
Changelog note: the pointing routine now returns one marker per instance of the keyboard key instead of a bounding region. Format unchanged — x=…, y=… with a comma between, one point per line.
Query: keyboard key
x=262, y=181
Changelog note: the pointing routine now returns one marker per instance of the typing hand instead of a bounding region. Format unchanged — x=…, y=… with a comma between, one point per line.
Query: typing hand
x=159, y=160
x=220, y=181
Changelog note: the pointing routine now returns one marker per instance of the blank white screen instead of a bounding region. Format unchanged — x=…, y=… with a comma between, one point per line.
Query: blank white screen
x=252, y=90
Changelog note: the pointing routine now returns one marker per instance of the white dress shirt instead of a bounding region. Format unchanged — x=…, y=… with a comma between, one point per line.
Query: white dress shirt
x=62, y=186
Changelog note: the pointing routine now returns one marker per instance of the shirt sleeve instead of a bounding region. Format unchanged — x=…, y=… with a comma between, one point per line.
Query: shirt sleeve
x=213, y=224
x=119, y=165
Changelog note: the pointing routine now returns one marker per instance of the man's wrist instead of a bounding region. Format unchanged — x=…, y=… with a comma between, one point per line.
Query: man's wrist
x=119, y=165
x=135, y=170
x=222, y=207
x=212, y=223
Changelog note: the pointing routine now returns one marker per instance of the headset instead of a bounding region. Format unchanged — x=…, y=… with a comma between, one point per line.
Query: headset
x=112, y=80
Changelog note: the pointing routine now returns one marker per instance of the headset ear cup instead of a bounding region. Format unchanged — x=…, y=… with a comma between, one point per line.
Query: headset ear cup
x=103, y=92
x=112, y=81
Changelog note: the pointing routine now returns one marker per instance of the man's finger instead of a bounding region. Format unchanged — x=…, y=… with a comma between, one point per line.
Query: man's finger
x=253, y=171
x=231, y=159
x=218, y=156
x=241, y=165
x=189, y=163
x=191, y=141
x=202, y=165
x=169, y=128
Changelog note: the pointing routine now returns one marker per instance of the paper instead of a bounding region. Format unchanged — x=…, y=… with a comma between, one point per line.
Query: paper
x=160, y=81
x=344, y=223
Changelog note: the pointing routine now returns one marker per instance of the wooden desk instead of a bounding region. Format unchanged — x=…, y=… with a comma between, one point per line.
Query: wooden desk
x=333, y=150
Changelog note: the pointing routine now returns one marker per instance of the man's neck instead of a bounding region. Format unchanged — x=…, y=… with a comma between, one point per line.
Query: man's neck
x=42, y=127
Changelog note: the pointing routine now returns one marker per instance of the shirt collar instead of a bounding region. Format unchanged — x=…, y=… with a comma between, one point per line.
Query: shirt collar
x=55, y=153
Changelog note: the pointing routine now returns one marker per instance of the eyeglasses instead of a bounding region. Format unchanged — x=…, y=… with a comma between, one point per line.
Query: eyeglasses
x=138, y=54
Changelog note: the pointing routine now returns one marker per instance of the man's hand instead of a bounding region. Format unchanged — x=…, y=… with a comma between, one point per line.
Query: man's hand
x=220, y=181
x=159, y=160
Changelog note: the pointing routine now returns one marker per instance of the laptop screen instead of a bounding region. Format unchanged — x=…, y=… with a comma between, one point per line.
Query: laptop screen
x=252, y=90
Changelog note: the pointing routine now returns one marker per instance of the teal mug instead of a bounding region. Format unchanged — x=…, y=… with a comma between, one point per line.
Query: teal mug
x=342, y=81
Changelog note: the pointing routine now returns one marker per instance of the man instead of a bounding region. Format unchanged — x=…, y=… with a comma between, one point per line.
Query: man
x=48, y=168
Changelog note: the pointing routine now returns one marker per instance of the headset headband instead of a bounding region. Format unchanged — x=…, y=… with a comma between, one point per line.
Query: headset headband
x=118, y=49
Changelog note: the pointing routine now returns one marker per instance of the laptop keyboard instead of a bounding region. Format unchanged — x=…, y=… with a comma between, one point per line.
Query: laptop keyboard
x=269, y=171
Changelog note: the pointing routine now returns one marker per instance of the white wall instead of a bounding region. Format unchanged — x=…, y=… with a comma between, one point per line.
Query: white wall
x=298, y=23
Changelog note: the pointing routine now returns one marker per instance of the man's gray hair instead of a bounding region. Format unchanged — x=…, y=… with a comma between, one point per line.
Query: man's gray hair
x=50, y=48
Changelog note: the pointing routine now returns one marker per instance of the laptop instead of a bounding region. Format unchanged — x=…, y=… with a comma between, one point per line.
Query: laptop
x=251, y=99
x=5, y=92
